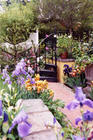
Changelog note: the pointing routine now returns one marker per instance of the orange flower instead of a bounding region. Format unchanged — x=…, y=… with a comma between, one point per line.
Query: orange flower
x=27, y=85
x=39, y=89
x=37, y=77
x=39, y=83
x=27, y=81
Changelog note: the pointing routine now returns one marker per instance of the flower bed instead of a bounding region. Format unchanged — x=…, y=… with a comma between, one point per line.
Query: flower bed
x=23, y=84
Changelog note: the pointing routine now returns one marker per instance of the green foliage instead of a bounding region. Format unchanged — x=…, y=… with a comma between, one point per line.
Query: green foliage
x=16, y=23
x=76, y=81
x=72, y=14
x=64, y=44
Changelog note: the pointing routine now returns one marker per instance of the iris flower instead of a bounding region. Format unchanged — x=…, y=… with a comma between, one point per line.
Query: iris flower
x=1, y=108
x=6, y=76
x=20, y=69
x=5, y=116
x=23, y=126
x=80, y=99
x=87, y=116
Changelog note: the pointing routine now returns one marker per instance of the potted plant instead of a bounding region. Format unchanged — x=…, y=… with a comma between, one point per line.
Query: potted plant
x=64, y=44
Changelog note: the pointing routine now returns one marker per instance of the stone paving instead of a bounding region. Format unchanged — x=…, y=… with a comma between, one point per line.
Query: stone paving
x=65, y=94
x=41, y=119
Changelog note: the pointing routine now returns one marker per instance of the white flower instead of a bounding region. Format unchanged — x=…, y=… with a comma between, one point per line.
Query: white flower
x=10, y=87
x=70, y=36
x=10, y=108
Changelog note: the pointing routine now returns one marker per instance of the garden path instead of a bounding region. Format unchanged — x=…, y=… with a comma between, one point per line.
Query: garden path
x=65, y=94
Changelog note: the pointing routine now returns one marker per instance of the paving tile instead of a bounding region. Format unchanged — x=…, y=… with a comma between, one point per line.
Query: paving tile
x=44, y=135
x=34, y=105
x=40, y=121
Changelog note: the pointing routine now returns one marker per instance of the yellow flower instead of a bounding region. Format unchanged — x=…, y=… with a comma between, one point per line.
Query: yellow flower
x=51, y=93
x=29, y=88
x=39, y=89
x=27, y=85
x=27, y=81
x=45, y=84
x=37, y=77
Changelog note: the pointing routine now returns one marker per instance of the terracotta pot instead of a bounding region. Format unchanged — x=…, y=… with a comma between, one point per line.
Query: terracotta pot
x=64, y=55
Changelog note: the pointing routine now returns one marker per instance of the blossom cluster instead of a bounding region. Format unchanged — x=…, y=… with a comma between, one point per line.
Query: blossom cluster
x=6, y=76
x=38, y=85
x=20, y=73
x=73, y=71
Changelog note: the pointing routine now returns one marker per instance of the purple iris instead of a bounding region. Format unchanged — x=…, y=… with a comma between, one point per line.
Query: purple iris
x=6, y=76
x=1, y=109
x=62, y=134
x=23, y=126
x=54, y=120
x=67, y=70
x=80, y=99
x=87, y=116
x=21, y=80
x=78, y=138
x=20, y=69
x=5, y=116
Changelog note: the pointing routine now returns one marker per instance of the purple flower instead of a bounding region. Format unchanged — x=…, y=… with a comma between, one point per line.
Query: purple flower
x=5, y=116
x=67, y=66
x=78, y=138
x=1, y=109
x=23, y=126
x=47, y=48
x=20, y=69
x=77, y=120
x=54, y=120
x=6, y=76
x=62, y=134
x=67, y=70
x=7, y=80
x=80, y=99
x=21, y=80
x=87, y=116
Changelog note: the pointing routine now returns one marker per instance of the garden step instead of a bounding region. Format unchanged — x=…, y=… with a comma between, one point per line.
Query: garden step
x=51, y=66
x=49, y=79
x=45, y=72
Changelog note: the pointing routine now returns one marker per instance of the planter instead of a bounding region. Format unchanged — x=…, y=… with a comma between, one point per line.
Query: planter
x=64, y=55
